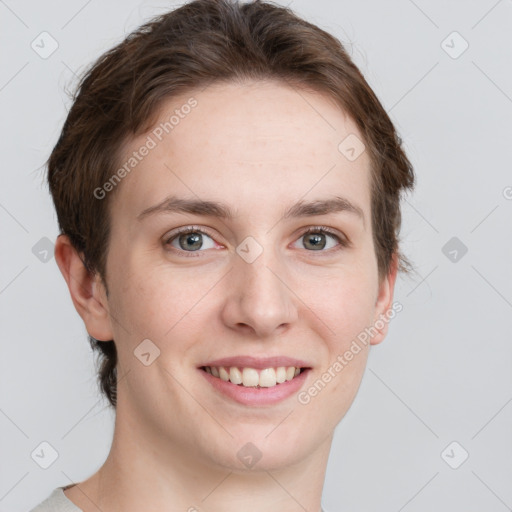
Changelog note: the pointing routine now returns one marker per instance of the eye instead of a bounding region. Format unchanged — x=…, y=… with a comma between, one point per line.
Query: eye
x=190, y=239
x=315, y=239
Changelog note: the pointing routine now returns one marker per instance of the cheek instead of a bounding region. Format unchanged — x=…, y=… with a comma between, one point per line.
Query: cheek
x=345, y=302
x=346, y=305
x=162, y=303
x=347, y=310
x=345, y=378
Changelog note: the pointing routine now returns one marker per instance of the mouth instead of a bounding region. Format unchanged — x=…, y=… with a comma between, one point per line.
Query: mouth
x=256, y=381
x=249, y=377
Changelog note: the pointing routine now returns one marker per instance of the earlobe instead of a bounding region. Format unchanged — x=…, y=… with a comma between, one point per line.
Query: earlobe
x=384, y=302
x=86, y=289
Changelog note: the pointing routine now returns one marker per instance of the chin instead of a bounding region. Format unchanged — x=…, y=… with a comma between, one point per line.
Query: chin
x=263, y=449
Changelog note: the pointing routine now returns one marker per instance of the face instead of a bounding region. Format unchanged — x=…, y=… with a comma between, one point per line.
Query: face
x=252, y=289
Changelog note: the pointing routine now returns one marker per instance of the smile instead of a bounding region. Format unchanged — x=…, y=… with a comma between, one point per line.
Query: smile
x=253, y=378
x=256, y=381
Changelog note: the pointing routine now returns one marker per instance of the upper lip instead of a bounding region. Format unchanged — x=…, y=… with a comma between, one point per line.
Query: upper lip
x=258, y=363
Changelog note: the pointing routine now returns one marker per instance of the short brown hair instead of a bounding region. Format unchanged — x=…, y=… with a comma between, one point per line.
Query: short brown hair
x=203, y=42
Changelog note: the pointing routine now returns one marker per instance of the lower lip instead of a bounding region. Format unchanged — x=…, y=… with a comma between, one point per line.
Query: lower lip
x=257, y=396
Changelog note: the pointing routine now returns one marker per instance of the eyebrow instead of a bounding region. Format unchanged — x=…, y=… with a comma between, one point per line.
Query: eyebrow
x=174, y=204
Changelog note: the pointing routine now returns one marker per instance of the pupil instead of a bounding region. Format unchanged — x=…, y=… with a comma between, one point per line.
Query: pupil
x=195, y=240
x=316, y=241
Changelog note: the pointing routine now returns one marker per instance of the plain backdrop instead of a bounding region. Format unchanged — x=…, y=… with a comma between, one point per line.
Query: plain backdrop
x=431, y=426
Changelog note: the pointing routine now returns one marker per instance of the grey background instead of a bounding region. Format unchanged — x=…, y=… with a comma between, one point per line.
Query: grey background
x=443, y=374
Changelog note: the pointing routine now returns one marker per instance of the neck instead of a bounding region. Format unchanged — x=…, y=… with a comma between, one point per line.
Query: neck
x=137, y=476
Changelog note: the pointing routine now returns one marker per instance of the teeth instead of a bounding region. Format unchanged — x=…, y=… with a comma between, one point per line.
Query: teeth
x=235, y=375
x=268, y=377
x=250, y=377
x=223, y=374
x=280, y=374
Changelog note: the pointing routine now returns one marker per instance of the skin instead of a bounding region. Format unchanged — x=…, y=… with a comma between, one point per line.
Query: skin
x=259, y=147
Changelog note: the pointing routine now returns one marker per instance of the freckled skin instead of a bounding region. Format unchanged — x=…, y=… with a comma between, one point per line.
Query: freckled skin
x=259, y=148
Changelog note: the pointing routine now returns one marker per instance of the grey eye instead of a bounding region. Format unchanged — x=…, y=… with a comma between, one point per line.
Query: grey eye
x=191, y=241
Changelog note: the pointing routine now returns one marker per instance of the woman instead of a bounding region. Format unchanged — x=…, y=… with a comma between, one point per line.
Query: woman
x=228, y=188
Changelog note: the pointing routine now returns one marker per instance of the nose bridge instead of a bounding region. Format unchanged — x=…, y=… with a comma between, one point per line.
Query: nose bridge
x=260, y=296
x=259, y=278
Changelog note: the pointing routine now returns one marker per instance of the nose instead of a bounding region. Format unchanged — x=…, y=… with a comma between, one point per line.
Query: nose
x=260, y=302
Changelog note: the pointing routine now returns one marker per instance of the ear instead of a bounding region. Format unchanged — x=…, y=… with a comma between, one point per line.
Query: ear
x=384, y=302
x=87, y=290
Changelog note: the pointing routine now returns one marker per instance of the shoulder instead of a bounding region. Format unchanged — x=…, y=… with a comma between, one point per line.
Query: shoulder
x=56, y=502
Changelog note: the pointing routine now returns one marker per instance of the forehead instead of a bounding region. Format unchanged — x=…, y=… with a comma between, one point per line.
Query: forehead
x=245, y=118
x=232, y=142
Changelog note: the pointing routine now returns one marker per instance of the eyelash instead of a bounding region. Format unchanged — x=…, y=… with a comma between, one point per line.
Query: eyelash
x=343, y=242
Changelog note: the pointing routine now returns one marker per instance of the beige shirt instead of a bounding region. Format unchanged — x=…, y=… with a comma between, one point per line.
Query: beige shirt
x=57, y=502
